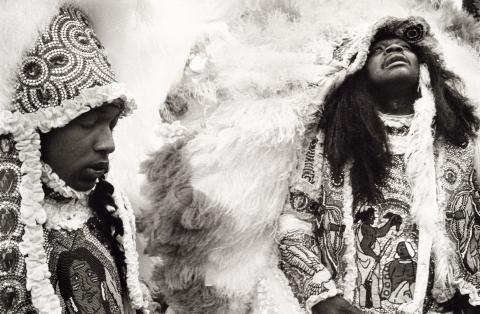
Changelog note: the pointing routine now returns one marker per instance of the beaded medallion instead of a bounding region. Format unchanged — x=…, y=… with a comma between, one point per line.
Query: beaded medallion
x=84, y=274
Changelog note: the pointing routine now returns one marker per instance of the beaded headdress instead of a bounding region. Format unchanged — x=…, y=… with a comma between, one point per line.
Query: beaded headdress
x=66, y=59
x=352, y=50
x=65, y=73
x=66, y=69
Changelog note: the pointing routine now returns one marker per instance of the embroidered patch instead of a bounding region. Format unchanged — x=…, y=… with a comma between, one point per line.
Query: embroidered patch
x=11, y=260
x=385, y=242
x=308, y=172
x=301, y=202
x=9, y=179
x=329, y=230
x=13, y=297
x=10, y=228
x=463, y=214
x=83, y=272
x=306, y=274
x=7, y=147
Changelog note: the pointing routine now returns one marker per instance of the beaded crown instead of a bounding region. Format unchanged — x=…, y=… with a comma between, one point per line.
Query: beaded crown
x=67, y=58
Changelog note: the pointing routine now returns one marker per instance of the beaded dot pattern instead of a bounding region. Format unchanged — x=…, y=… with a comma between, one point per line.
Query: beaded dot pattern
x=67, y=58
x=14, y=297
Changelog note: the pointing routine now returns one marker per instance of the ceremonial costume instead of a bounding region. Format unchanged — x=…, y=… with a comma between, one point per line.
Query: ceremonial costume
x=242, y=187
x=56, y=255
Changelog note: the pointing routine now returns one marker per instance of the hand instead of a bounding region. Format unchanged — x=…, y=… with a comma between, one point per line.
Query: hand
x=335, y=305
x=459, y=305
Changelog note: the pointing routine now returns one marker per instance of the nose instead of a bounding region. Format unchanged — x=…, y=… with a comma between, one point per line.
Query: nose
x=394, y=48
x=104, y=141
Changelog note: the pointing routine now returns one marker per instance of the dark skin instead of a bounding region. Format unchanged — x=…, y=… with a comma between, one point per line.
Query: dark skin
x=79, y=152
x=393, y=70
x=370, y=234
x=335, y=305
x=459, y=305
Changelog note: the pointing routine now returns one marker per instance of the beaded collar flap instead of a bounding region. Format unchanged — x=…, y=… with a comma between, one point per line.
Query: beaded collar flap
x=67, y=58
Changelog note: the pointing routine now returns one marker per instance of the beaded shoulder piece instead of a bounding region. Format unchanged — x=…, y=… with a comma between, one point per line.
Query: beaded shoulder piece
x=15, y=298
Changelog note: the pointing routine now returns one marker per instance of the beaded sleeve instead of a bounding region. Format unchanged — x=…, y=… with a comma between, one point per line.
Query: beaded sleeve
x=310, y=280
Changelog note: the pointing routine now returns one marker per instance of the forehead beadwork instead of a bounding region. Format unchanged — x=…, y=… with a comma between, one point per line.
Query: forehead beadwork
x=412, y=30
x=67, y=58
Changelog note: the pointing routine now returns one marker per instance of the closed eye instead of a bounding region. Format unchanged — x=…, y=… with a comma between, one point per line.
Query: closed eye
x=87, y=120
x=114, y=122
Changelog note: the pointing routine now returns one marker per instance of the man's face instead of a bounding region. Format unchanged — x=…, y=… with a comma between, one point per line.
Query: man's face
x=392, y=61
x=78, y=152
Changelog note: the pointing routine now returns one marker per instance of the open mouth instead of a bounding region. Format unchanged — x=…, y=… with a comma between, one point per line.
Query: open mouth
x=395, y=60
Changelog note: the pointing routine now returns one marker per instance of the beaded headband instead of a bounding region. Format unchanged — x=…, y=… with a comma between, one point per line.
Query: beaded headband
x=352, y=51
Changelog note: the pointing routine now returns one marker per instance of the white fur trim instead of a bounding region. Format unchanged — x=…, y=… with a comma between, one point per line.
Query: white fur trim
x=125, y=213
x=315, y=299
x=273, y=294
x=420, y=169
x=288, y=222
x=419, y=158
x=53, y=181
x=56, y=117
x=68, y=216
x=31, y=213
x=350, y=256
x=243, y=147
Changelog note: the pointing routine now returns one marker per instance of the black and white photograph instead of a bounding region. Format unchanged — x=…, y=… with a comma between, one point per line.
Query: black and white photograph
x=239, y=156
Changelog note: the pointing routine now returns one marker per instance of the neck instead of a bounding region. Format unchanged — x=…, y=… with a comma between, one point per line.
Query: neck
x=397, y=100
x=396, y=106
